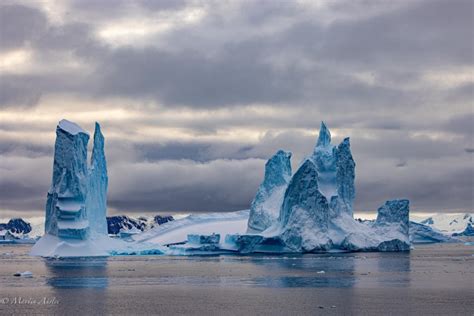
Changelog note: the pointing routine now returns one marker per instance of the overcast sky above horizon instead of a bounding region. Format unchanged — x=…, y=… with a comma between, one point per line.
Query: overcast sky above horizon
x=194, y=96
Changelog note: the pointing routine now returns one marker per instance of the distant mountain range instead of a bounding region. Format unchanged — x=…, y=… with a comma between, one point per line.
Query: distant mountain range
x=448, y=224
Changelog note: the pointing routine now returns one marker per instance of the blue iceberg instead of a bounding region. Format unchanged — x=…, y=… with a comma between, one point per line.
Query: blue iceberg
x=76, y=206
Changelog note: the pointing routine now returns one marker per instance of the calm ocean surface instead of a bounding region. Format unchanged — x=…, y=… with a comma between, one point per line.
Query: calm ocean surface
x=435, y=279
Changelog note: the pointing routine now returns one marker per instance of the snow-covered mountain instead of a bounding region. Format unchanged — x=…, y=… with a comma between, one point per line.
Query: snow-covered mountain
x=448, y=223
x=16, y=230
x=123, y=223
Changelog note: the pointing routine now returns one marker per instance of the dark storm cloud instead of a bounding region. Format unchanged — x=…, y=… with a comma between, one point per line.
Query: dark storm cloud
x=357, y=70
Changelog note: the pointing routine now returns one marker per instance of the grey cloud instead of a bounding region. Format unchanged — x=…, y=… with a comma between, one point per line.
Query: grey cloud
x=191, y=79
x=303, y=68
x=242, y=71
x=462, y=124
x=197, y=151
x=24, y=149
x=19, y=25
x=221, y=185
x=426, y=32
x=104, y=9
x=424, y=191
x=19, y=91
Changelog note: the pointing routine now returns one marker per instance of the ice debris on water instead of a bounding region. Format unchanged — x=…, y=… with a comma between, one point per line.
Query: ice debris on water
x=26, y=274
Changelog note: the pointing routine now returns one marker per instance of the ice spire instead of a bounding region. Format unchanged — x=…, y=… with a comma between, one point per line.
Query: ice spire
x=65, y=207
x=265, y=207
x=324, y=138
x=98, y=182
x=345, y=176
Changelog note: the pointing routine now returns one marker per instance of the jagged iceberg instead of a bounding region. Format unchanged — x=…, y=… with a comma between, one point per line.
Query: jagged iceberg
x=309, y=211
x=77, y=200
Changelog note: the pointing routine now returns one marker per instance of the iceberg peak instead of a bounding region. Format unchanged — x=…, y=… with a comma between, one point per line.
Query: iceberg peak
x=324, y=138
x=98, y=182
x=277, y=169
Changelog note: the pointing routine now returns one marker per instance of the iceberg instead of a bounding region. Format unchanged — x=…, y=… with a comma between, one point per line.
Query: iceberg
x=265, y=207
x=76, y=206
x=309, y=211
x=316, y=213
x=67, y=225
x=424, y=234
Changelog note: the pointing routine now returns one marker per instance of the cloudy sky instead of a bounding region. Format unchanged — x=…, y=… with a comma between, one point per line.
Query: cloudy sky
x=194, y=96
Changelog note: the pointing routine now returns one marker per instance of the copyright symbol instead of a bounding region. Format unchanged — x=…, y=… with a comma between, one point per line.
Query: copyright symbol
x=4, y=300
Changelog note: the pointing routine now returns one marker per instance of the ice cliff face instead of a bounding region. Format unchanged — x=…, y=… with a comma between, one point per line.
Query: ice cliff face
x=395, y=212
x=96, y=203
x=304, y=213
x=265, y=207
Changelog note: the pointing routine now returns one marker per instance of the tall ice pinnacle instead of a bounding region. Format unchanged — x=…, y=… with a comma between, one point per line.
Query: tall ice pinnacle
x=265, y=207
x=96, y=203
x=66, y=214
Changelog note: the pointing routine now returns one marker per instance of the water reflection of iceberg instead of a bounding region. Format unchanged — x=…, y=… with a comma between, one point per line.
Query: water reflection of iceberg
x=386, y=269
x=77, y=272
x=311, y=270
